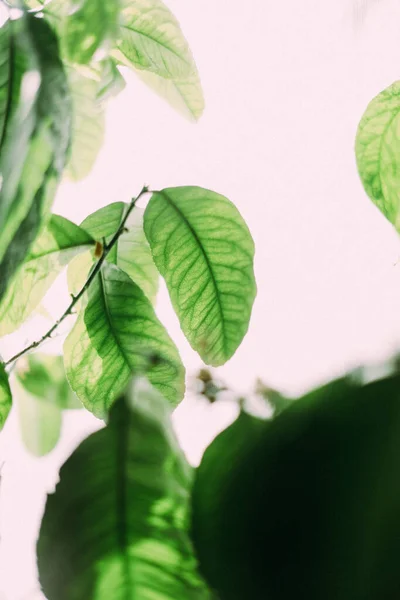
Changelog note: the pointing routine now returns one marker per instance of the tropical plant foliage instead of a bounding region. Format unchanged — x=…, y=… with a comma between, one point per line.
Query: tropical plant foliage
x=304, y=504
x=60, y=64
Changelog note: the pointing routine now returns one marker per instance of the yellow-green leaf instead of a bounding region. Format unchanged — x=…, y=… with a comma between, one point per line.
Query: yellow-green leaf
x=204, y=250
x=116, y=335
x=60, y=241
x=5, y=396
x=378, y=152
x=117, y=525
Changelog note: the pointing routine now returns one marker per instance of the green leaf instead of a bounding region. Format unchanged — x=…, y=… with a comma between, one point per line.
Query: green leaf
x=39, y=422
x=184, y=95
x=42, y=392
x=116, y=335
x=377, y=152
x=5, y=396
x=87, y=124
x=204, y=250
x=33, y=156
x=152, y=44
x=131, y=252
x=116, y=526
x=6, y=70
x=60, y=241
x=43, y=376
x=275, y=399
x=305, y=505
x=111, y=82
x=85, y=27
x=150, y=38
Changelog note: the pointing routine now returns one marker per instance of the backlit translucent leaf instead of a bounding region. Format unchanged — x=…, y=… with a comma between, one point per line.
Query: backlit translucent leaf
x=42, y=392
x=184, y=95
x=87, y=124
x=60, y=241
x=6, y=66
x=116, y=526
x=111, y=82
x=204, y=250
x=152, y=43
x=117, y=334
x=87, y=26
x=378, y=152
x=305, y=505
x=43, y=376
x=131, y=252
x=150, y=38
x=39, y=422
x=5, y=396
x=34, y=153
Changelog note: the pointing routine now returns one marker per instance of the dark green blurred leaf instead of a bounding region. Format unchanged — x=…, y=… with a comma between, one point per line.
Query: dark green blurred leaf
x=37, y=136
x=275, y=399
x=42, y=393
x=117, y=335
x=116, y=526
x=131, y=253
x=204, y=250
x=5, y=396
x=306, y=505
x=59, y=242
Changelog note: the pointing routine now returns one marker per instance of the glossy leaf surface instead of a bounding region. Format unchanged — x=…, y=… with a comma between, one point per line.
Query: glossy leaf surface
x=203, y=249
x=116, y=335
x=117, y=523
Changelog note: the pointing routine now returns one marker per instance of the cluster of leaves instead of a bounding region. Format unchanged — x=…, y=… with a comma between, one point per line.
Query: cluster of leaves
x=303, y=504
x=59, y=63
x=127, y=512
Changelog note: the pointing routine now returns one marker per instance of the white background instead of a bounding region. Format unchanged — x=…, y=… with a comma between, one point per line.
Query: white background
x=285, y=84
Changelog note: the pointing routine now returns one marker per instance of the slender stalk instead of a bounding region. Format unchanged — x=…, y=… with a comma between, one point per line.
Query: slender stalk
x=93, y=273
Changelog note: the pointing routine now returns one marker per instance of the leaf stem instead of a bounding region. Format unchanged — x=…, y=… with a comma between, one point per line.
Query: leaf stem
x=93, y=273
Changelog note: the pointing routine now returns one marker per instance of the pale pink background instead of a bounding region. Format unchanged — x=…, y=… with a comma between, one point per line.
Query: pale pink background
x=286, y=83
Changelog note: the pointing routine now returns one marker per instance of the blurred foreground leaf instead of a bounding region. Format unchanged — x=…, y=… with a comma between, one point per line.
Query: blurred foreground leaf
x=116, y=526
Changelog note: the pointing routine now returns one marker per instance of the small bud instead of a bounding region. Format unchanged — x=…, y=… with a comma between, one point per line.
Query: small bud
x=98, y=250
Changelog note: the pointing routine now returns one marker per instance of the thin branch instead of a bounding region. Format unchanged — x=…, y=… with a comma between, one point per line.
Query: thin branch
x=90, y=279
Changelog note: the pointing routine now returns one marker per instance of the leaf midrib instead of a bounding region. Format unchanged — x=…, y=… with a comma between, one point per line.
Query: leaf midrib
x=206, y=258
x=58, y=251
x=108, y=317
x=157, y=42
